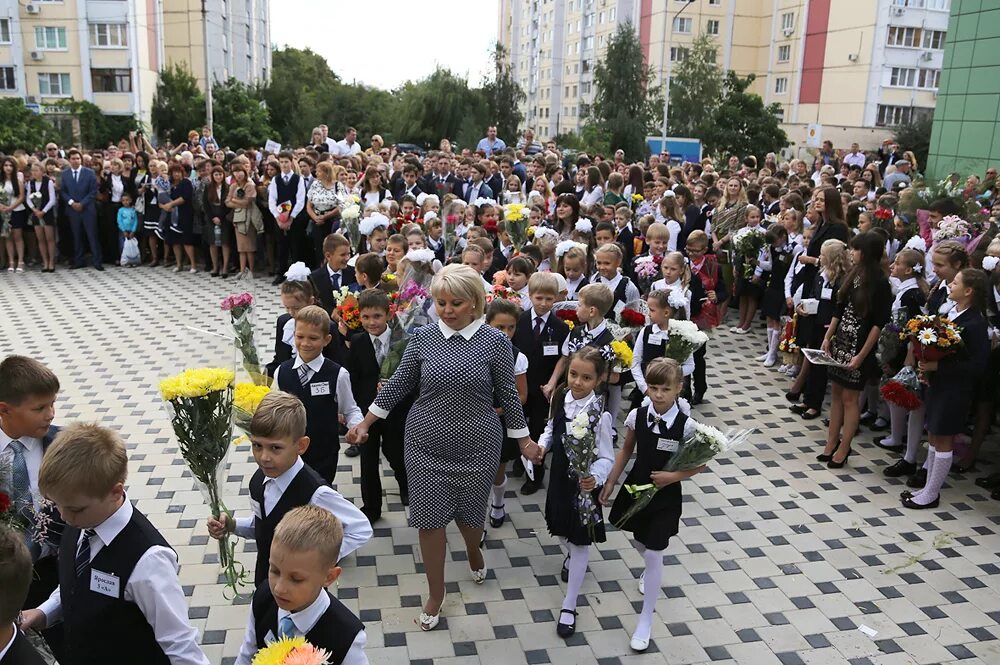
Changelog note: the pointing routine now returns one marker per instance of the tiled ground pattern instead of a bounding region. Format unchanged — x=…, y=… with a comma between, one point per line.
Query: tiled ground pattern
x=779, y=560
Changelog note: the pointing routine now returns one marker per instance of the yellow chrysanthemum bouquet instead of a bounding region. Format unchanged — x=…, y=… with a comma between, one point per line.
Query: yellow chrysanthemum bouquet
x=246, y=399
x=200, y=404
x=516, y=217
x=291, y=651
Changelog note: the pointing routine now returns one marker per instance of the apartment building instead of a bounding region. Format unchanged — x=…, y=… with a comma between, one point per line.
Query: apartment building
x=110, y=52
x=855, y=67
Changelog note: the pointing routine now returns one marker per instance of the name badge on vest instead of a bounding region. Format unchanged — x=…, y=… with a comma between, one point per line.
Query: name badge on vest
x=826, y=293
x=270, y=638
x=656, y=339
x=106, y=584
x=550, y=350
x=255, y=507
x=321, y=388
x=667, y=445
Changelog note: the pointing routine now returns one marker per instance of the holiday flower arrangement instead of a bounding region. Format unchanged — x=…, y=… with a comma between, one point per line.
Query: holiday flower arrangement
x=291, y=651
x=637, y=199
x=350, y=212
x=952, y=227
x=580, y=444
x=516, y=218
x=622, y=355
x=246, y=399
x=408, y=314
x=347, y=309
x=646, y=268
x=568, y=316
x=241, y=308
x=903, y=389
x=747, y=243
x=500, y=278
x=931, y=338
x=284, y=218
x=200, y=404
x=788, y=345
x=683, y=339
x=884, y=214
x=4, y=216
x=704, y=444
x=450, y=229
x=501, y=292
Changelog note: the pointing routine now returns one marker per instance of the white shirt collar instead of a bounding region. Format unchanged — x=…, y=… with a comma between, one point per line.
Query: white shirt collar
x=467, y=332
x=906, y=285
x=284, y=480
x=596, y=332
x=109, y=529
x=29, y=442
x=955, y=313
x=612, y=283
x=384, y=337
x=306, y=619
x=330, y=271
x=316, y=364
x=668, y=418
x=577, y=404
x=6, y=648
x=535, y=315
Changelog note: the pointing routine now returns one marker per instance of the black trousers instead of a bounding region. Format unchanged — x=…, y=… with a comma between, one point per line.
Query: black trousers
x=815, y=389
x=107, y=230
x=386, y=435
x=700, y=367
x=536, y=410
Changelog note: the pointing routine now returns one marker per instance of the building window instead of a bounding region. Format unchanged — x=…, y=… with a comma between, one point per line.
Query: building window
x=715, y=2
x=108, y=35
x=933, y=39
x=4, y=31
x=7, y=81
x=585, y=88
x=682, y=25
x=902, y=77
x=712, y=28
x=50, y=39
x=779, y=113
x=780, y=85
x=784, y=53
x=929, y=78
x=892, y=116
x=942, y=5
x=904, y=37
x=924, y=4
x=678, y=54
x=54, y=85
x=788, y=22
x=111, y=80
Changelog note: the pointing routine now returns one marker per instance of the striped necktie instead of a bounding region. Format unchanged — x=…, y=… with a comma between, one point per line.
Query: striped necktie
x=304, y=374
x=83, y=555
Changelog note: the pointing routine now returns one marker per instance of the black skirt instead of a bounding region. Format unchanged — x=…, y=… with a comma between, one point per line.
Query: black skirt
x=561, y=514
x=654, y=525
x=773, y=304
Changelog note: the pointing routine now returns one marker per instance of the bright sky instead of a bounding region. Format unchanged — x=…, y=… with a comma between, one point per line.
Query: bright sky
x=384, y=43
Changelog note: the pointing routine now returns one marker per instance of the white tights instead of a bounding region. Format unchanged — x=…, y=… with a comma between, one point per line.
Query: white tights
x=653, y=580
x=577, y=565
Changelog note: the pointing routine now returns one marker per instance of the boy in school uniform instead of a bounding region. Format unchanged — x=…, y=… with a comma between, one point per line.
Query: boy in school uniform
x=539, y=336
x=28, y=391
x=608, y=261
x=334, y=273
x=294, y=601
x=287, y=187
x=283, y=481
x=593, y=301
x=15, y=576
x=368, y=349
x=119, y=597
x=324, y=388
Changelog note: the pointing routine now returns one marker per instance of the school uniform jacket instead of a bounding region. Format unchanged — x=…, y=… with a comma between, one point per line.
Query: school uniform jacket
x=335, y=350
x=320, y=279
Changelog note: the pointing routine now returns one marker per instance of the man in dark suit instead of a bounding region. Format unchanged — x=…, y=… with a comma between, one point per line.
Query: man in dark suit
x=441, y=181
x=79, y=191
x=408, y=185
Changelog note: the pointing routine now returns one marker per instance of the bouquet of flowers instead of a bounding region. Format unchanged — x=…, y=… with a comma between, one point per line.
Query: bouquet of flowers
x=903, y=389
x=246, y=399
x=569, y=316
x=683, y=339
x=200, y=405
x=347, y=308
x=4, y=216
x=284, y=217
x=450, y=229
x=704, y=444
x=516, y=218
x=409, y=313
x=350, y=212
x=501, y=292
x=240, y=308
x=580, y=443
x=932, y=338
x=952, y=227
x=789, y=345
x=622, y=356
x=889, y=343
x=291, y=651
x=633, y=316
x=747, y=243
x=647, y=270
x=637, y=199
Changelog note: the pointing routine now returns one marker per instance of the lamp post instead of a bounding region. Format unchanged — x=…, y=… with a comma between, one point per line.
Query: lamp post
x=665, y=62
x=208, y=71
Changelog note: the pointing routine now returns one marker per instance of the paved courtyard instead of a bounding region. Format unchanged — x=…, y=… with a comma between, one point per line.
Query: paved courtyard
x=779, y=560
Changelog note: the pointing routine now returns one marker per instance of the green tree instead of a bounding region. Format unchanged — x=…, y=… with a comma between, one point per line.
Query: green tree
x=21, y=129
x=178, y=105
x=241, y=120
x=299, y=95
x=441, y=105
x=98, y=129
x=626, y=103
x=695, y=90
x=503, y=96
x=741, y=125
x=916, y=137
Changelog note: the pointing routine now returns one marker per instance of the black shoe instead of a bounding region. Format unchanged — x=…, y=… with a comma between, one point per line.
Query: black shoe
x=990, y=482
x=353, y=451
x=880, y=425
x=813, y=414
x=404, y=498
x=895, y=447
x=867, y=418
x=214, y=274
x=900, y=469
x=826, y=421
x=823, y=457
x=798, y=409
x=530, y=487
x=906, y=494
x=564, y=575
x=497, y=522
x=75, y=267
x=278, y=280
x=372, y=515
x=697, y=399
x=963, y=468
x=792, y=397
x=911, y=504
x=99, y=268
x=565, y=630
x=834, y=464
x=917, y=480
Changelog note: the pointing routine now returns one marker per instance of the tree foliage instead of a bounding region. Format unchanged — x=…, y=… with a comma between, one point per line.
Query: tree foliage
x=240, y=120
x=695, y=86
x=626, y=102
x=98, y=129
x=298, y=96
x=741, y=124
x=441, y=105
x=916, y=137
x=22, y=129
x=503, y=96
x=178, y=105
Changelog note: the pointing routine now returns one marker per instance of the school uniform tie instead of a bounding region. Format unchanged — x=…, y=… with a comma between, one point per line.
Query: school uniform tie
x=377, y=343
x=20, y=494
x=335, y=281
x=304, y=372
x=83, y=554
x=286, y=627
x=539, y=322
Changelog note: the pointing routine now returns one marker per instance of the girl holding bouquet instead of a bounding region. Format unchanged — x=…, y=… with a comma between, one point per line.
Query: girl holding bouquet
x=779, y=259
x=861, y=311
x=651, y=341
x=951, y=383
x=654, y=433
x=677, y=277
x=572, y=504
x=748, y=283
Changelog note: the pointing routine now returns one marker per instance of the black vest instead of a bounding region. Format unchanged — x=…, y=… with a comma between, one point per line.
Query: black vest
x=648, y=459
x=287, y=192
x=619, y=294
x=98, y=628
x=335, y=631
x=299, y=493
x=602, y=340
x=322, y=425
x=40, y=187
x=650, y=351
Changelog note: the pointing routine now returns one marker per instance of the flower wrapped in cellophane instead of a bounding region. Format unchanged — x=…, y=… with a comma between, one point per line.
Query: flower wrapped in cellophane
x=515, y=218
x=747, y=243
x=246, y=399
x=683, y=339
x=200, y=405
x=241, y=308
x=409, y=312
x=350, y=213
x=903, y=389
x=622, y=359
x=697, y=449
x=291, y=651
x=580, y=444
x=931, y=337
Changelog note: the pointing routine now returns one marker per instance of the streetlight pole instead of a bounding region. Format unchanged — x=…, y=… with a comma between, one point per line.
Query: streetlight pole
x=208, y=70
x=665, y=62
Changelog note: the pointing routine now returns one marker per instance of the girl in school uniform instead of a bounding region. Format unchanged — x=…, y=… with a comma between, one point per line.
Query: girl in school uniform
x=951, y=383
x=910, y=290
x=653, y=432
x=581, y=392
x=709, y=273
x=573, y=266
x=296, y=293
x=777, y=264
x=749, y=291
x=42, y=200
x=677, y=277
x=986, y=390
x=795, y=280
x=651, y=340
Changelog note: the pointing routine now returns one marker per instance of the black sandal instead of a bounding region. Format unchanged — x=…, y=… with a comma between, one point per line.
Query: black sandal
x=565, y=630
x=497, y=522
x=793, y=396
x=798, y=409
x=806, y=415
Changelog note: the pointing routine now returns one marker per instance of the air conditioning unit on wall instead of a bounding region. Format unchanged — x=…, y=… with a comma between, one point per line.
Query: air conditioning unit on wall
x=32, y=8
x=897, y=11
x=37, y=55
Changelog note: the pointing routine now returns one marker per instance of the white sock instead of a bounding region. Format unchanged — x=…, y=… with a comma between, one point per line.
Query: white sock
x=935, y=478
x=929, y=460
x=578, y=556
x=897, y=420
x=653, y=580
x=498, y=492
x=914, y=432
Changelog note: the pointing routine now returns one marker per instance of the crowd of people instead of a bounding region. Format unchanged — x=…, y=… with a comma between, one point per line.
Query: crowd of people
x=553, y=288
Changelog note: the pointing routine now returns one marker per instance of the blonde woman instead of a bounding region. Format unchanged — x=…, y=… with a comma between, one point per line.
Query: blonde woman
x=323, y=202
